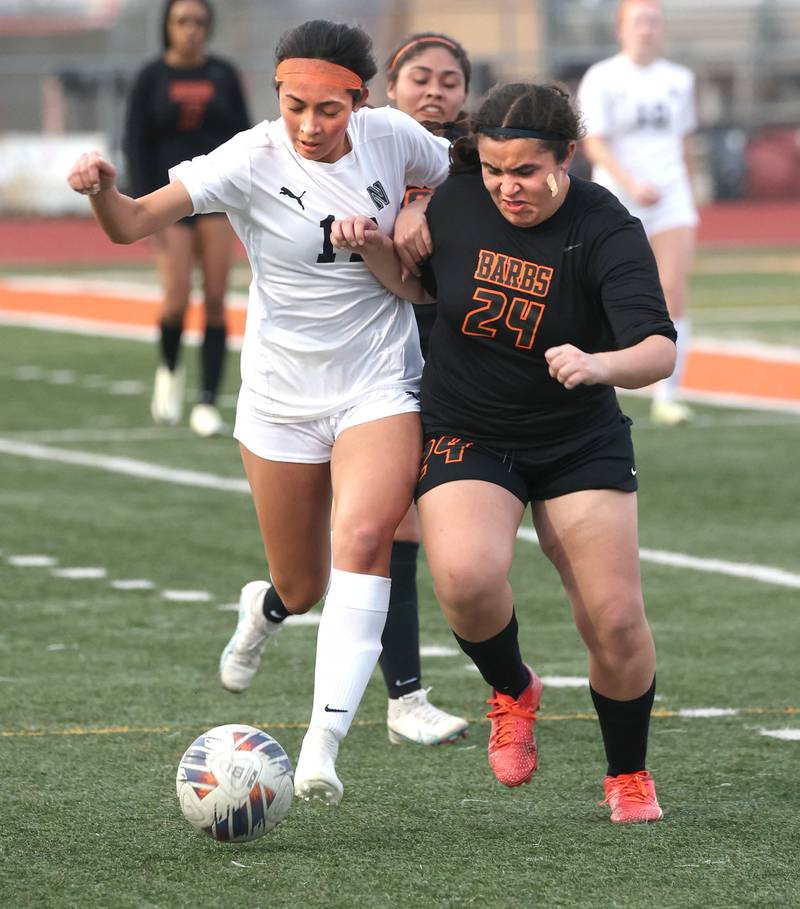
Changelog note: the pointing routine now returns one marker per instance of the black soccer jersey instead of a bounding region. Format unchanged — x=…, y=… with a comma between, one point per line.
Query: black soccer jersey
x=585, y=276
x=175, y=114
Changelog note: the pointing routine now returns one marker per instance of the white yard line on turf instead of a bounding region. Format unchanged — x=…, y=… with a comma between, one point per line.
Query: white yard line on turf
x=146, y=470
x=764, y=573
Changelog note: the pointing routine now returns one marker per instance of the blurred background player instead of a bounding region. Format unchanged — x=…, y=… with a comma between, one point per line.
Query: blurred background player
x=428, y=78
x=639, y=112
x=183, y=104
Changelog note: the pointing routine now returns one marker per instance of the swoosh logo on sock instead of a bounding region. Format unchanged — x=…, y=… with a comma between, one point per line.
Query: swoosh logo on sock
x=399, y=684
x=329, y=709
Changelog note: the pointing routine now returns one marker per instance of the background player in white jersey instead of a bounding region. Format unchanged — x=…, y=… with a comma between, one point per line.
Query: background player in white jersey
x=330, y=360
x=639, y=113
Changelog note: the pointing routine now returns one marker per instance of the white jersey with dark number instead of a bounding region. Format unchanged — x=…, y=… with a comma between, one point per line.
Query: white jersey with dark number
x=643, y=113
x=321, y=331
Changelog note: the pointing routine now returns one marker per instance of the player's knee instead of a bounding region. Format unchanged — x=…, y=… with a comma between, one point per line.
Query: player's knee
x=362, y=546
x=465, y=584
x=620, y=627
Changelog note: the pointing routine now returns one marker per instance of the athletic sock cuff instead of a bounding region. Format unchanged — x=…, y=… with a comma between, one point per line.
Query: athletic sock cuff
x=349, y=590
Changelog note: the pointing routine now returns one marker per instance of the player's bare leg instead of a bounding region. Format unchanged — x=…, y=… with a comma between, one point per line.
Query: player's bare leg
x=470, y=529
x=374, y=469
x=292, y=503
x=215, y=247
x=591, y=538
x=674, y=252
x=173, y=253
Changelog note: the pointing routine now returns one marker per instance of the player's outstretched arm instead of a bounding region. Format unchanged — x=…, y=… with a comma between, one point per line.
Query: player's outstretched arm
x=363, y=235
x=632, y=367
x=122, y=218
x=598, y=153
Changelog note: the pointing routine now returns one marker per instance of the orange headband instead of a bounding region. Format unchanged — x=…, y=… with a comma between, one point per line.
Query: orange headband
x=319, y=71
x=430, y=39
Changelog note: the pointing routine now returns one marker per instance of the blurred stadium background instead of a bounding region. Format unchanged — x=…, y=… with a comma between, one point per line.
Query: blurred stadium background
x=66, y=66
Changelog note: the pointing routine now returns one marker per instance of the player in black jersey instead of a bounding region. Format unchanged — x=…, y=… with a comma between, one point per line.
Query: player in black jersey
x=186, y=103
x=547, y=297
x=427, y=77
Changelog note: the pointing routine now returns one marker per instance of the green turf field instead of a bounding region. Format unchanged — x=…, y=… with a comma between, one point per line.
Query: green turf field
x=102, y=689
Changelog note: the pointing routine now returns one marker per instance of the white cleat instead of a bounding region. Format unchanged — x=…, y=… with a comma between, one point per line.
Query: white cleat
x=166, y=405
x=315, y=774
x=242, y=654
x=670, y=413
x=205, y=420
x=412, y=718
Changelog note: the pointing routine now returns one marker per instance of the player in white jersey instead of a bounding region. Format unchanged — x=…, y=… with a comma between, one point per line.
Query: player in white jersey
x=330, y=362
x=639, y=114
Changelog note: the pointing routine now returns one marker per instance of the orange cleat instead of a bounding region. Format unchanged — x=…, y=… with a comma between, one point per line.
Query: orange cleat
x=513, y=755
x=632, y=798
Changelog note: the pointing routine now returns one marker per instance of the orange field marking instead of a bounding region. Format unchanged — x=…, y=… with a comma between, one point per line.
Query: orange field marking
x=90, y=307
x=707, y=371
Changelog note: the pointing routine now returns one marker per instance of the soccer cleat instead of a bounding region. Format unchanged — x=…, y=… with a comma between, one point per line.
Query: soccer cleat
x=632, y=798
x=242, y=654
x=412, y=718
x=166, y=405
x=670, y=413
x=205, y=420
x=513, y=755
x=315, y=774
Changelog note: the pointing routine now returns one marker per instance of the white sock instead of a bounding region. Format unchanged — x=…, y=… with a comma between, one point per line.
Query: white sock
x=348, y=647
x=667, y=389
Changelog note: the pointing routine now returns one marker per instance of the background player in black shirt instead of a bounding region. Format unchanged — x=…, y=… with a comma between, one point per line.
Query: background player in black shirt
x=427, y=77
x=547, y=297
x=183, y=104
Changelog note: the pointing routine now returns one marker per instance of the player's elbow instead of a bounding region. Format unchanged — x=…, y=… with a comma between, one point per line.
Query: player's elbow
x=664, y=356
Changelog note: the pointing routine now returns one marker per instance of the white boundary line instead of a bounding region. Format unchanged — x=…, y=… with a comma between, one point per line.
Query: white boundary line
x=146, y=470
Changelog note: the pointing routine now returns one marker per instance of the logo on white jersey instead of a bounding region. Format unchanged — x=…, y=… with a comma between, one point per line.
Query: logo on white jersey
x=378, y=195
x=299, y=199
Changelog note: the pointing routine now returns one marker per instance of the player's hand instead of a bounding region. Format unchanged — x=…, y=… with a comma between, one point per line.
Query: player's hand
x=412, y=238
x=571, y=366
x=355, y=231
x=91, y=174
x=645, y=193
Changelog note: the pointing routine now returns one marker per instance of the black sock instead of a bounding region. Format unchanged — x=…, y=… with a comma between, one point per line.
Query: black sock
x=499, y=660
x=170, y=344
x=399, y=659
x=273, y=608
x=212, y=361
x=624, y=725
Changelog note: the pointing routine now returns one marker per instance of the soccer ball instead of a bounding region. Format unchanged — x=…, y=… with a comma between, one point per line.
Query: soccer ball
x=235, y=783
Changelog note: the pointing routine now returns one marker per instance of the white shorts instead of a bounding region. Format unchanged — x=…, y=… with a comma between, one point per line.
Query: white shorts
x=675, y=208
x=311, y=441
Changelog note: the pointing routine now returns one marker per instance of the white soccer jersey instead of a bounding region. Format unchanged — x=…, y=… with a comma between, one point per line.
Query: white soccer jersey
x=643, y=112
x=321, y=331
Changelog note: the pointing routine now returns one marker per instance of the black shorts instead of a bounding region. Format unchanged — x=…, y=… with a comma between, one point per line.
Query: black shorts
x=602, y=463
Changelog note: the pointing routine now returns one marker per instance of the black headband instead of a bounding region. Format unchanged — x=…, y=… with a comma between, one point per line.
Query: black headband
x=505, y=132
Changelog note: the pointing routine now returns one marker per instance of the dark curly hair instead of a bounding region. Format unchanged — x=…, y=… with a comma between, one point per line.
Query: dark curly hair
x=522, y=105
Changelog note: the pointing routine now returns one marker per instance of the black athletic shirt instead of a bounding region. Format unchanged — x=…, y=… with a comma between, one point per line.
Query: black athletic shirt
x=585, y=276
x=425, y=313
x=175, y=114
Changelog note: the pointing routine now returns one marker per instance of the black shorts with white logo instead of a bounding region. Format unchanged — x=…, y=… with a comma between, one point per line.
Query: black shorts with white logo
x=602, y=463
